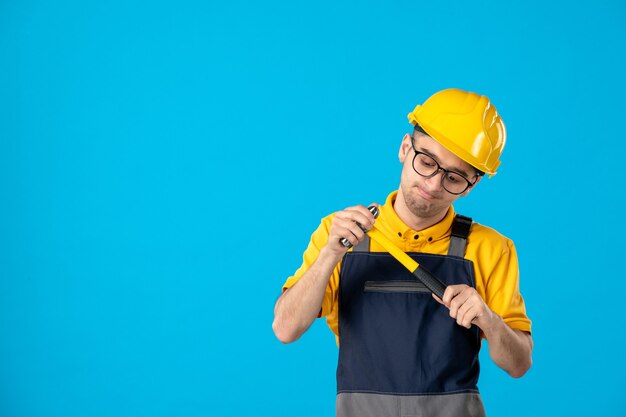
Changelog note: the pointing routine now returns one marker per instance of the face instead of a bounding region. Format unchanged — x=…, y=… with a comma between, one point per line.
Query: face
x=425, y=197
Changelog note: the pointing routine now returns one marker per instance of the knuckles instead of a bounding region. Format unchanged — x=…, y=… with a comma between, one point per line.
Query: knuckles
x=459, y=310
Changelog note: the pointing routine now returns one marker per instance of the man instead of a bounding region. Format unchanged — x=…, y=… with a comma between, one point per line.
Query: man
x=403, y=351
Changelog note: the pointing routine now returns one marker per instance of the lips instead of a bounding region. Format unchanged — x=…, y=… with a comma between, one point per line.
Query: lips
x=425, y=195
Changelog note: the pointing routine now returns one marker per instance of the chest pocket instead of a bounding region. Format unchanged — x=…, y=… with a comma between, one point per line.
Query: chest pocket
x=395, y=287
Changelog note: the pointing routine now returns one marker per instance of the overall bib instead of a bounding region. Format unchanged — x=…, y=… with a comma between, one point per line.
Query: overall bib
x=400, y=352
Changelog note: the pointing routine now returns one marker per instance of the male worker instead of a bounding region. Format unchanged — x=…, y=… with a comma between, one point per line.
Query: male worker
x=403, y=352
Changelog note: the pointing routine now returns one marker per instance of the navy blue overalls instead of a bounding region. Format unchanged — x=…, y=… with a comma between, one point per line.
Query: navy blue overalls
x=400, y=352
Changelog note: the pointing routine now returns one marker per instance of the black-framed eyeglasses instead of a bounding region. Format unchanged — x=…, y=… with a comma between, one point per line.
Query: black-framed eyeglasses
x=427, y=167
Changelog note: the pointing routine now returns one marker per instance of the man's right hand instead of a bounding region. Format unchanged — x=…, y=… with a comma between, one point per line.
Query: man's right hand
x=297, y=307
x=345, y=225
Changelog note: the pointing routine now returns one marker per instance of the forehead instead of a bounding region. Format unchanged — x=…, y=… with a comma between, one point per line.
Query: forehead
x=446, y=159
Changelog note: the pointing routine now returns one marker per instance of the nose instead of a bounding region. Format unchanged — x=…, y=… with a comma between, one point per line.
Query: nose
x=434, y=183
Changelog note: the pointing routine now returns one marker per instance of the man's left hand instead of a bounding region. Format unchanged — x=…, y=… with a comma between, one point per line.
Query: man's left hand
x=467, y=307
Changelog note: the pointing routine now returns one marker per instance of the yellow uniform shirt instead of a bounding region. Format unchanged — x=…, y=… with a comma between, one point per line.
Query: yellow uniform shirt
x=494, y=257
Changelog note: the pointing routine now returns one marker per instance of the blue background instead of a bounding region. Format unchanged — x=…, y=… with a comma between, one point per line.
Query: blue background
x=163, y=164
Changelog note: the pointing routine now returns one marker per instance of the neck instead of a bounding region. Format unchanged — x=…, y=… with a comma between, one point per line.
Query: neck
x=414, y=221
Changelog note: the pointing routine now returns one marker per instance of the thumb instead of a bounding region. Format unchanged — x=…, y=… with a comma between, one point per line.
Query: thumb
x=438, y=299
x=450, y=293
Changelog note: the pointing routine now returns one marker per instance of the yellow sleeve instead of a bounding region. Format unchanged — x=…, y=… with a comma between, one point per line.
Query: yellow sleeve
x=502, y=292
x=317, y=242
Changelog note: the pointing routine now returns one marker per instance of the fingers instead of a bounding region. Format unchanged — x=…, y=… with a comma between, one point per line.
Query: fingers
x=438, y=299
x=466, y=314
x=459, y=299
x=349, y=230
x=351, y=224
x=451, y=292
x=358, y=214
x=466, y=305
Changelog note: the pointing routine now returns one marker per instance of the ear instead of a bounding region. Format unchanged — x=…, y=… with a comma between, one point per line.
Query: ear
x=466, y=192
x=405, y=147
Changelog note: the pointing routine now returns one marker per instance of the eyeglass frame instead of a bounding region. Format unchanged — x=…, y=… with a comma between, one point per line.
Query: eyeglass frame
x=470, y=184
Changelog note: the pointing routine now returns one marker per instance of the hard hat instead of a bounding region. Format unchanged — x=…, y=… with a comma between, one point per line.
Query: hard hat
x=466, y=124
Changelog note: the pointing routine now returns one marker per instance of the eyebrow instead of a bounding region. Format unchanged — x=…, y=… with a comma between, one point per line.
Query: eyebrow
x=453, y=169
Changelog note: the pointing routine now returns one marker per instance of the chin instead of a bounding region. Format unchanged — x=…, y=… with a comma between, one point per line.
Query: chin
x=422, y=208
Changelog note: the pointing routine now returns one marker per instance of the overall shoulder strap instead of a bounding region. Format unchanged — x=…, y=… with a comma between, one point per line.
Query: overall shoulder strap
x=458, y=239
x=364, y=246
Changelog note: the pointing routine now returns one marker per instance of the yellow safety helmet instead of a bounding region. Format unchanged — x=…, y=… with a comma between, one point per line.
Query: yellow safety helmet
x=466, y=124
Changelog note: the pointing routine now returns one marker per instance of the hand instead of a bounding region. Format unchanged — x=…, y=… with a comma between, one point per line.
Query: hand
x=345, y=225
x=467, y=307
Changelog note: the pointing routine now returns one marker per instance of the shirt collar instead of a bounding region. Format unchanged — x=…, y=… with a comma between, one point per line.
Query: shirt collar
x=396, y=227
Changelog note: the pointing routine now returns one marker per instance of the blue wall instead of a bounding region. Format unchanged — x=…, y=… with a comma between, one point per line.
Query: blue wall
x=163, y=164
